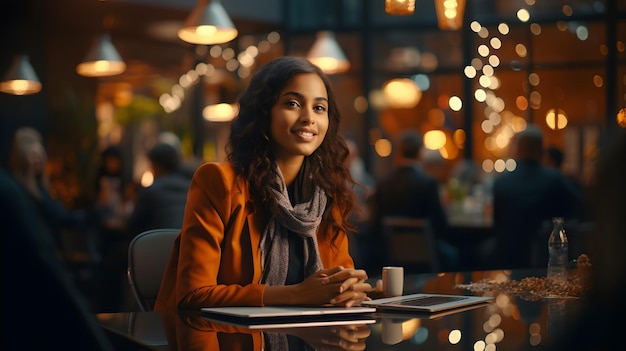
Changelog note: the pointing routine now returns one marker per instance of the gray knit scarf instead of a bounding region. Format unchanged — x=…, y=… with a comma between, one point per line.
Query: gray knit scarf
x=303, y=219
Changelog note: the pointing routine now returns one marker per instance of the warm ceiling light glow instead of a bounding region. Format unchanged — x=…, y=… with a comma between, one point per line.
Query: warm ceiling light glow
x=518, y=124
x=499, y=166
x=535, y=99
x=567, y=10
x=454, y=336
x=488, y=70
x=382, y=147
x=459, y=137
x=487, y=166
x=503, y=28
x=521, y=103
x=327, y=54
x=475, y=26
x=450, y=13
x=147, y=179
x=556, y=119
x=484, y=81
x=455, y=103
x=208, y=24
x=102, y=60
x=510, y=165
x=480, y=95
x=523, y=15
x=494, y=60
x=470, y=72
x=21, y=78
x=495, y=43
x=520, y=50
x=434, y=139
x=533, y=79
x=402, y=93
x=535, y=28
x=220, y=112
x=400, y=7
x=486, y=126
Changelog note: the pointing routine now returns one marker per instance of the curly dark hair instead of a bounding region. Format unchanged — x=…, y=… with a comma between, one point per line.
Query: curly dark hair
x=249, y=147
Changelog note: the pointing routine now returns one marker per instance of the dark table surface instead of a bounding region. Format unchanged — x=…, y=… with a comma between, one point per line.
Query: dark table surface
x=513, y=322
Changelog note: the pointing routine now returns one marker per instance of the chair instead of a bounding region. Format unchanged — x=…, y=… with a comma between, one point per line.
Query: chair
x=410, y=243
x=148, y=254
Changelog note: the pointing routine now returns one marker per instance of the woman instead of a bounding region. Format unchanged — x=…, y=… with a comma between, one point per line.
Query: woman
x=269, y=226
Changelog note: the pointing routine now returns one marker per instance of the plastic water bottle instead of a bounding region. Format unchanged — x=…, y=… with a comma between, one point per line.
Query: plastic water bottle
x=558, y=251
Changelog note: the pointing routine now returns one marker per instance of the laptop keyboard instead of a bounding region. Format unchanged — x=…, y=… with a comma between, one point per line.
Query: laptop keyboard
x=429, y=300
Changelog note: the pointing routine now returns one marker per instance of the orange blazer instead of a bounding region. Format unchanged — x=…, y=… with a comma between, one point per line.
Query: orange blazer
x=216, y=260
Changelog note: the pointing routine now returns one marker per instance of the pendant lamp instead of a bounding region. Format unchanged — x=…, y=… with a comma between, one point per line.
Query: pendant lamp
x=208, y=24
x=450, y=13
x=400, y=7
x=327, y=54
x=21, y=78
x=102, y=60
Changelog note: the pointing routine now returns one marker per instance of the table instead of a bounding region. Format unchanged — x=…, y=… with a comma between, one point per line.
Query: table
x=511, y=323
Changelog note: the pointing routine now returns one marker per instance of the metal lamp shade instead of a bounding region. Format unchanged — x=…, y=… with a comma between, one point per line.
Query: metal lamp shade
x=102, y=60
x=327, y=54
x=208, y=24
x=21, y=78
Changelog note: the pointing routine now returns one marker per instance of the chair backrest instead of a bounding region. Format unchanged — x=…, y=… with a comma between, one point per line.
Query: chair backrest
x=148, y=254
x=410, y=243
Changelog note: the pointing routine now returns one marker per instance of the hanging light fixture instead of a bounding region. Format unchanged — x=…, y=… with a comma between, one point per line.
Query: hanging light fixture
x=21, y=78
x=400, y=7
x=450, y=13
x=102, y=60
x=327, y=54
x=208, y=24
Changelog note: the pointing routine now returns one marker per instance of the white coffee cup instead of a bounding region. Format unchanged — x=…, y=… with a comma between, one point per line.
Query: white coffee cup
x=393, y=281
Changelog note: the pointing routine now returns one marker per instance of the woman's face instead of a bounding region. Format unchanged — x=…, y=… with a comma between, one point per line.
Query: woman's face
x=300, y=117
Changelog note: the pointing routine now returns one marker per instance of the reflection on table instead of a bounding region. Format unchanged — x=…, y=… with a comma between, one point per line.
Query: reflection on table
x=511, y=323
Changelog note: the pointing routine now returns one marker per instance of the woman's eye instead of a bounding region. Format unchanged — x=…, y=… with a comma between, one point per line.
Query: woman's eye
x=320, y=108
x=293, y=103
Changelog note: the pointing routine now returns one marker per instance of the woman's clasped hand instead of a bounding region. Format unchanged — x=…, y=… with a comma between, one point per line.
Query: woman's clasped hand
x=338, y=286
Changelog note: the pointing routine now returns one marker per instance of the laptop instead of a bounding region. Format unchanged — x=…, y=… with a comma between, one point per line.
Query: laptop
x=426, y=303
x=269, y=317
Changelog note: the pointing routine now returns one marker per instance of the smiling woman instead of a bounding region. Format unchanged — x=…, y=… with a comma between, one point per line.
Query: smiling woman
x=270, y=226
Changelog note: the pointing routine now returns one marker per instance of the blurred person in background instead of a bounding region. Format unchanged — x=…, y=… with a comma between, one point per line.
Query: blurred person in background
x=553, y=157
x=27, y=163
x=114, y=201
x=408, y=191
x=187, y=167
x=111, y=192
x=525, y=199
x=161, y=204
